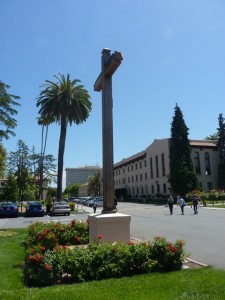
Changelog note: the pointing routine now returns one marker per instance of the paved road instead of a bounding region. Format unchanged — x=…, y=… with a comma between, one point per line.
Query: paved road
x=203, y=233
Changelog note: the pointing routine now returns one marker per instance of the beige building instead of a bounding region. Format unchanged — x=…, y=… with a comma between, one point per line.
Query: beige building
x=146, y=173
x=80, y=175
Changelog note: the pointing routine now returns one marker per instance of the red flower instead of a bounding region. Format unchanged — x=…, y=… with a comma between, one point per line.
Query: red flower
x=77, y=239
x=99, y=237
x=47, y=267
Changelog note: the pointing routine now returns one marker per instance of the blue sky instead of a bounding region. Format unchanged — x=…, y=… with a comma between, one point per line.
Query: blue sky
x=174, y=52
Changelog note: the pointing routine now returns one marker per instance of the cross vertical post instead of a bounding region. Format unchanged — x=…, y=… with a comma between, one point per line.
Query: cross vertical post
x=109, y=64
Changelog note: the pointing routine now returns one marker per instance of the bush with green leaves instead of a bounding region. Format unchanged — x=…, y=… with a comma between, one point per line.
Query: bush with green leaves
x=50, y=262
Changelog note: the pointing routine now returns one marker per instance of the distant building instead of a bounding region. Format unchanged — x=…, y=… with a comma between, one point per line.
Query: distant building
x=146, y=173
x=80, y=175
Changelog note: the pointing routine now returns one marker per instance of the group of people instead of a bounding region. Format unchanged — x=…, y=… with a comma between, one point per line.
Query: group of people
x=182, y=204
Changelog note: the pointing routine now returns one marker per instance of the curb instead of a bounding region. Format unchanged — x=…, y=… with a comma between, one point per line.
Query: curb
x=196, y=262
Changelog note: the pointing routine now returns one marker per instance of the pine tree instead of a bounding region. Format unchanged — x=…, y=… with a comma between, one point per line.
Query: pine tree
x=221, y=148
x=182, y=177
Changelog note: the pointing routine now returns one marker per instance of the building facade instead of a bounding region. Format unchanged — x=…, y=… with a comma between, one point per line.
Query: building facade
x=146, y=173
x=80, y=175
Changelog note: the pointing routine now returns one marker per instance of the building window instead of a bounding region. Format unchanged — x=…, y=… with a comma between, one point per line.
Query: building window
x=142, y=190
x=132, y=178
x=207, y=164
x=137, y=189
x=164, y=188
x=133, y=190
x=132, y=167
x=140, y=177
x=158, y=188
x=119, y=181
x=163, y=165
x=124, y=180
x=152, y=188
x=140, y=164
x=197, y=163
x=145, y=163
x=128, y=179
x=136, y=178
x=157, y=166
x=119, y=171
x=146, y=176
x=146, y=189
x=209, y=184
x=151, y=167
x=135, y=166
x=128, y=168
x=123, y=170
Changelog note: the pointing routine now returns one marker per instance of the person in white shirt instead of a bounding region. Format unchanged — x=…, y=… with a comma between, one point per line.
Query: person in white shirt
x=181, y=203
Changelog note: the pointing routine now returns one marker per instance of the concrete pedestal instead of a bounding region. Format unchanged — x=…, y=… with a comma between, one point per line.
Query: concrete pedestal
x=113, y=227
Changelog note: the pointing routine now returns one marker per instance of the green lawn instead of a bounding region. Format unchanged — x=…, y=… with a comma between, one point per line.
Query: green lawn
x=201, y=283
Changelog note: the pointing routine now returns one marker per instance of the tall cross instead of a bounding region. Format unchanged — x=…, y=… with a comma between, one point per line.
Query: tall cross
x=110, y=63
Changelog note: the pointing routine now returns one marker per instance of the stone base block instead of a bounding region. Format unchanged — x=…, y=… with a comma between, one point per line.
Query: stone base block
x=113, y=227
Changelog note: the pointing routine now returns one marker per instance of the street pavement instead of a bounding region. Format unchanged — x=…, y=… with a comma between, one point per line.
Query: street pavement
x=203, y=233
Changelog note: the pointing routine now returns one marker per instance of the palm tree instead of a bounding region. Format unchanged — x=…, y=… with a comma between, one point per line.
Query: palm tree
x=7, y=102
x=64, y=102
x=44, y=131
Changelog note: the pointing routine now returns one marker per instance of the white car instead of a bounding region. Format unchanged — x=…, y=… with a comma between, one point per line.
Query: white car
x=60, y=208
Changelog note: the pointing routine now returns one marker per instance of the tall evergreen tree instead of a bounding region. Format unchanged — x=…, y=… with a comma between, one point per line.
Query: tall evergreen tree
x=221, y=148
x=182, y=177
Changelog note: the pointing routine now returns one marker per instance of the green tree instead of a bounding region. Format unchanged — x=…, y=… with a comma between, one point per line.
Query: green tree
x=94, y=185
x=3, y=157
x=19, y=164
x=182, y=176
x=72, y=190
x=221, y=148
x=7, y=111
x=213, y=137
x=11, y=191
x=64, y=102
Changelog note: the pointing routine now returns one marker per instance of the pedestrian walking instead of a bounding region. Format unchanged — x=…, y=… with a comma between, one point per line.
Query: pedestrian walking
x=195, y=203
x=94, y=206
x=170, y=203
x=181, y=203
x=115, y=203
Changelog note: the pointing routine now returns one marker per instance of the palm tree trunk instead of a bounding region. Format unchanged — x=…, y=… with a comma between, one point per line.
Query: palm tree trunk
x=62, y=141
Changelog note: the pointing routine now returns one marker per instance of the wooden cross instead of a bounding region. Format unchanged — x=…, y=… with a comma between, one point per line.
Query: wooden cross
x=109, y=63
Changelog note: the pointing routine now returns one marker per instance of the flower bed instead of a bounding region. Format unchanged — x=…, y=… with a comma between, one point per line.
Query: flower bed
x=50, y=259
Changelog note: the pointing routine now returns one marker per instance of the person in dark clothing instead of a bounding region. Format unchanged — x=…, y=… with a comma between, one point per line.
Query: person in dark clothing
x=170, y=203
x=94, y=207
x=195, y=204
x=115, y=203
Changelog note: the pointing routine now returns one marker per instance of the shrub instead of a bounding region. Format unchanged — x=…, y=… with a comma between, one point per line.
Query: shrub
x=48, y=262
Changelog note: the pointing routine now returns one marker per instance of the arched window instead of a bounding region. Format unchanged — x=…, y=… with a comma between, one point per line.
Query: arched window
x=207, y=164
x=197, y=163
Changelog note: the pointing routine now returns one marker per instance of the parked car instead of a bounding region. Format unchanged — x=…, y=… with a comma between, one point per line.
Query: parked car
x=98, y=200
x=60, y=208
x=34, y=209
x=9, y=209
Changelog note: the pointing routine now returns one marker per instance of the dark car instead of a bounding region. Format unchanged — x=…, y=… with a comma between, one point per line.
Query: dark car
x=34, y=209
x=9, y=209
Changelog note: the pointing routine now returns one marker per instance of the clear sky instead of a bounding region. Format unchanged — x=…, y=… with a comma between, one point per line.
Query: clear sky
x=174, y=52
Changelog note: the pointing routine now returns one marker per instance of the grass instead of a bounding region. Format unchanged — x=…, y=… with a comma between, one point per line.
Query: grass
x=199, y=283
